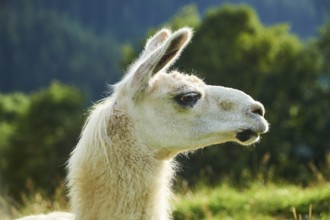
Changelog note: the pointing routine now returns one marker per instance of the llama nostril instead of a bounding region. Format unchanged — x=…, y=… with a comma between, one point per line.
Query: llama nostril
x=258, y=109
x=258, y=112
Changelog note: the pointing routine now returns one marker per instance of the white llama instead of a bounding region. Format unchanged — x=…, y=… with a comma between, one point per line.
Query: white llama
x=122, y=167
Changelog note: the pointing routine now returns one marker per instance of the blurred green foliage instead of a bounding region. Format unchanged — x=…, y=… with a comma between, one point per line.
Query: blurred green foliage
x=39, y=46
x=40, y=130
x=187, y=16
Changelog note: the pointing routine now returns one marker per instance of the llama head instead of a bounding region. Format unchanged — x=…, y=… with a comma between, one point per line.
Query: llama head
x=172, y=112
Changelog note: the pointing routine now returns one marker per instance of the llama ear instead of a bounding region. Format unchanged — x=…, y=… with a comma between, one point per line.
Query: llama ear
x=154, y=42
x=157, y=39
x=173, y=48
x=162, y=58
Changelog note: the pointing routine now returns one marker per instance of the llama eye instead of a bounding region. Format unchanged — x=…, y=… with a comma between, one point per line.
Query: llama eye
x=188, y=99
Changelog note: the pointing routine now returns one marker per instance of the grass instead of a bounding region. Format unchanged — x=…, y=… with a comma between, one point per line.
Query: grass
x=258, y=201
x=254, y=202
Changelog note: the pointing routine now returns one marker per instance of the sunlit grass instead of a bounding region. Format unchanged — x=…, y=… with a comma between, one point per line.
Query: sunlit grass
x=255, y=202
x=258, y=201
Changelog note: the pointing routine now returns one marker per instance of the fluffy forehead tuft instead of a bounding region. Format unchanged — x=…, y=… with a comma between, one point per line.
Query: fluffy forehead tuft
x=175, y=80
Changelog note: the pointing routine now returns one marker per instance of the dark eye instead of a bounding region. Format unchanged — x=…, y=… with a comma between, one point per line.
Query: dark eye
x=188, y=99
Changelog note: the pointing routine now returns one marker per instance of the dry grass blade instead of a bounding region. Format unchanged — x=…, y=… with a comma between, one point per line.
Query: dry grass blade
x=294, y=213
x=310, y=212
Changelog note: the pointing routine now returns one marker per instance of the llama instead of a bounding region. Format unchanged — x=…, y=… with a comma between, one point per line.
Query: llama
x=123, y=164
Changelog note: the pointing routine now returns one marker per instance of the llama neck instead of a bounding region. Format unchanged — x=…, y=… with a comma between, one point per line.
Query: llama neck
x=120, y=178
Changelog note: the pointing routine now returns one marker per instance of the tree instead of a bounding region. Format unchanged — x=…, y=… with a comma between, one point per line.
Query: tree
x=186, y=16
x=12, y=107
x=37, y=47
x=43, y=138
x=323, y=45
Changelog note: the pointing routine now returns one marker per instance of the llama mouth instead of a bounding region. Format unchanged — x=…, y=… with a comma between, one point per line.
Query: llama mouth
x=246, y=135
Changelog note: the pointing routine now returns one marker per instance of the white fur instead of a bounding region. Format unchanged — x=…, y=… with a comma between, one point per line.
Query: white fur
x=122, y=167
x=51, y=216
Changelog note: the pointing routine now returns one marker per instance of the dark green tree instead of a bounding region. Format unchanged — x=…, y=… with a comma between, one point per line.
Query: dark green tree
x=43, y=138
x=37, y=47
x=12, y=107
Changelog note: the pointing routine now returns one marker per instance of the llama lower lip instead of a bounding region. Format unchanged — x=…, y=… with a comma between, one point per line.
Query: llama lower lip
x=246, y=135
